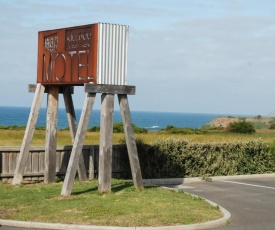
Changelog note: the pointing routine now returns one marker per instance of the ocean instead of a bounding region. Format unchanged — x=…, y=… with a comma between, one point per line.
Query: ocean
x=18, y=116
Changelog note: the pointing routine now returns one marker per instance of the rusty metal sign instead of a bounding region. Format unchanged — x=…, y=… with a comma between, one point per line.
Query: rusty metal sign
x=68, y=56
x=94, y=53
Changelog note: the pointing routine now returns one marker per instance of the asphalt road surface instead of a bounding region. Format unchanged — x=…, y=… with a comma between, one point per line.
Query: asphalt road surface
x=251, y=202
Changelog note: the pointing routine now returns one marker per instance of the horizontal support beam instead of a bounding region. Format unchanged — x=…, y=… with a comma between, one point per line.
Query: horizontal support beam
x=32, y=87
x=111, y=89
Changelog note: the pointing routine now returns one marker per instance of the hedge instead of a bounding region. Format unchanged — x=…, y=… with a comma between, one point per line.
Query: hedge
x=179, y=158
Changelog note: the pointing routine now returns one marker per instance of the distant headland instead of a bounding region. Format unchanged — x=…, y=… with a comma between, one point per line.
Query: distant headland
x=259, y=122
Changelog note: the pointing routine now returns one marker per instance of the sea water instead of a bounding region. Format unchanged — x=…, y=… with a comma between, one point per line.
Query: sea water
x=18, y=116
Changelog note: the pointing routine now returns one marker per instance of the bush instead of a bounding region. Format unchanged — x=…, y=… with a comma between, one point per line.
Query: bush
x=180, y=158
x=94, y=129
x=174, y=130
x=272, y=126
x=241, y=127
x=118, y=128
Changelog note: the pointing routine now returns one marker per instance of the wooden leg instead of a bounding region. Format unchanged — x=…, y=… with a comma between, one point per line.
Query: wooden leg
x=106, y=138
x=130, y=141
x=91, y=163
x=24, y=151
x=78, y=144
x=51, y=135
x=73, y=127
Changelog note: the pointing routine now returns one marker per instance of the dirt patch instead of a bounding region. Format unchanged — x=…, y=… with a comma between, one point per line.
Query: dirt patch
x=223, y=122
x=4, y=211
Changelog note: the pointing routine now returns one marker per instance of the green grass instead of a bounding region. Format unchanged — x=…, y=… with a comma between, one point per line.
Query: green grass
x=124, y=206
x=15, y=137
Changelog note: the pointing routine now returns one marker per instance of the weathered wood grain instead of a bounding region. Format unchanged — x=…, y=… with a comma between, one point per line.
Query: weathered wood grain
x=41, y=161
x=78, y=144
x=73, y=128
x=35, y=162
x=28, y=168
x=130, y=141
x=20, y=167
x=110, y=89
x=5, y=162
x=32, y=88
x=9, y=156
x=51, y=135
x=91, y=163
x=105, y=148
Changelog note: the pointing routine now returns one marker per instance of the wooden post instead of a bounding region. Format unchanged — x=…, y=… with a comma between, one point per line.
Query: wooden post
x=91, y=163
x=51, y=135
x=24, y=151
x=73, y=128
x=130, y=141
x=106, y=137
x=78, y=144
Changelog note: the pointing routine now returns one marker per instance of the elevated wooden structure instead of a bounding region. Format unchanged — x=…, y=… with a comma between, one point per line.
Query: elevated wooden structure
x=94, y=55
x=78, y=133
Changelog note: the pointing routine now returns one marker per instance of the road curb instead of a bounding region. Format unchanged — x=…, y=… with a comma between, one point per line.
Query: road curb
x=170, y=181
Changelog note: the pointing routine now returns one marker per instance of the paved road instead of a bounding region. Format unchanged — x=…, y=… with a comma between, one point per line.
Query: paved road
x=251, y=202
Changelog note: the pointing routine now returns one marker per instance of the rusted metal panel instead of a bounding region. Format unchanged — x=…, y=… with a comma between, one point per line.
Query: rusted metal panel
x=95, y=53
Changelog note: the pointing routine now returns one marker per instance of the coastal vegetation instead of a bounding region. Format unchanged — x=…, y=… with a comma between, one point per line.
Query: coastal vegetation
x=218, y=148
x=215, y=131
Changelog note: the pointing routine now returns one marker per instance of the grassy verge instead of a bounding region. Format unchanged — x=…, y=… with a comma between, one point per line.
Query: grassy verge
x=15, y=137
x=124, y=206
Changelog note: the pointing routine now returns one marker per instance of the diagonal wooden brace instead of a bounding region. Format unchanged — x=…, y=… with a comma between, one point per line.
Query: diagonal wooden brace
x=78, y=144
x=24, y=151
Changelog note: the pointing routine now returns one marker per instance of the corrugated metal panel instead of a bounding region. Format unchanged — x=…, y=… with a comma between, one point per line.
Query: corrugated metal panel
x=112, y=54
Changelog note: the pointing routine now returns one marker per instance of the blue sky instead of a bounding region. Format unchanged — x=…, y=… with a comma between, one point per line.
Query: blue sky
x=198, y=56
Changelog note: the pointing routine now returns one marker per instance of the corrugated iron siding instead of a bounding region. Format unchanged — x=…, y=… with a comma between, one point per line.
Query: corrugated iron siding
x=112, y=54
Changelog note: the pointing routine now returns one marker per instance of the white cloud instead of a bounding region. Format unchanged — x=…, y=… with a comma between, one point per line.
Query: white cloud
x=213, y=56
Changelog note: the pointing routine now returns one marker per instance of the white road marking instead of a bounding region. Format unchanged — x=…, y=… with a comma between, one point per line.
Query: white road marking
x=253, y=185
x=186, y=187
x=183, y=187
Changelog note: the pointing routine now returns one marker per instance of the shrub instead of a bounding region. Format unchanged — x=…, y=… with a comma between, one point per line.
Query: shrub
x=209, y=126
x=272, y=126
x=180, y=158
x=118, y=128
x=241, y=127
x=258, y=117
x=260, y=125
x=175, y=130
x=94, y=129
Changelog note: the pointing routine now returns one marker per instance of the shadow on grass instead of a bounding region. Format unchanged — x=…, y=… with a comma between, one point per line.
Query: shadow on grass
x=116, y=187
x=94, y=189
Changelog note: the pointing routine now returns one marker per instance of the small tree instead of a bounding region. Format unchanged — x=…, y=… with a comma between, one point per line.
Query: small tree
x=241, y=127
x=259, y=117
x=272, y=126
